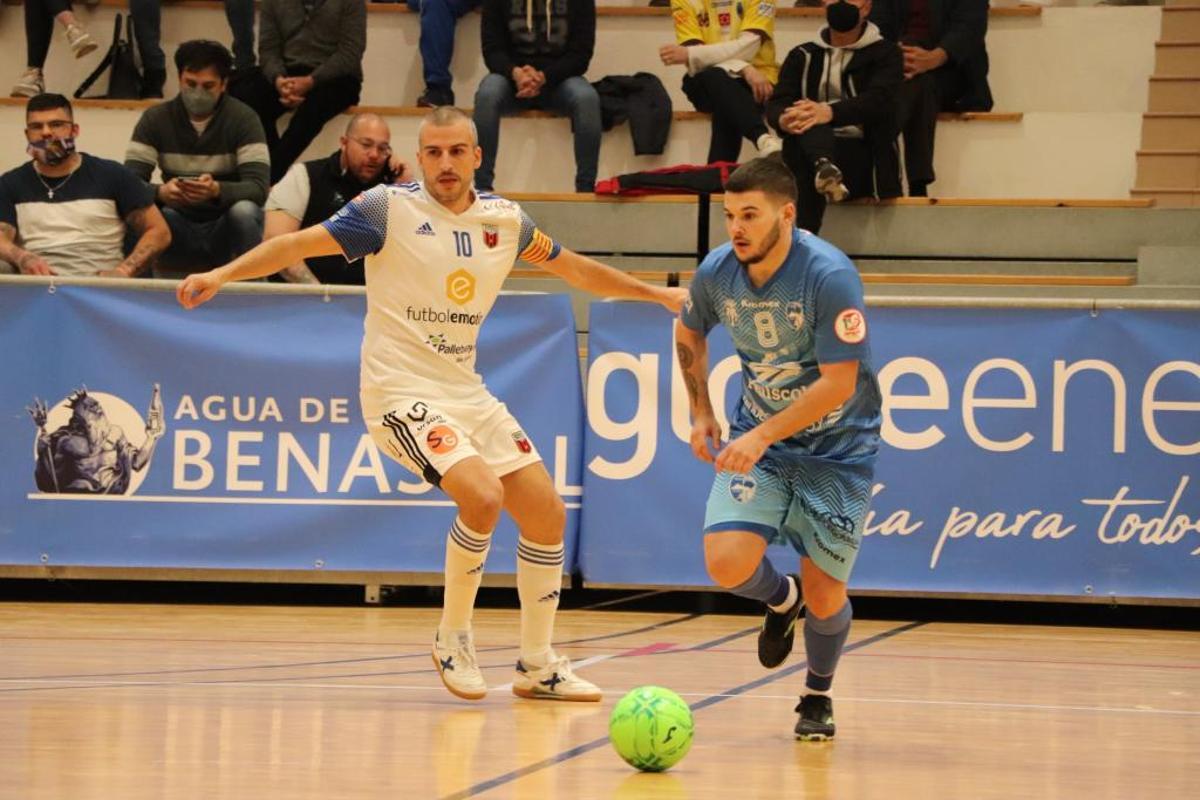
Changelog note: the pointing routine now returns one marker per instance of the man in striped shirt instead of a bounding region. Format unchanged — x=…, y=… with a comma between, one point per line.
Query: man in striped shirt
x=213, y=155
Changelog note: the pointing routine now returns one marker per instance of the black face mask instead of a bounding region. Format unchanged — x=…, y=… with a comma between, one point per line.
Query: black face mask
x=842, y=16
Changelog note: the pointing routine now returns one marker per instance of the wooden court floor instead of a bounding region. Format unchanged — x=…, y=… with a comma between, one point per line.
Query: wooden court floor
x=124, y=702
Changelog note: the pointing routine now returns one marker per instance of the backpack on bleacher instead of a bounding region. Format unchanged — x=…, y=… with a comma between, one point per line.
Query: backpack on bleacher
x=124, y=79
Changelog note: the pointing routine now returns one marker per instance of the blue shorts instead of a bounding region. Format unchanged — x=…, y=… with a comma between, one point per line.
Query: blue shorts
x=816, y=506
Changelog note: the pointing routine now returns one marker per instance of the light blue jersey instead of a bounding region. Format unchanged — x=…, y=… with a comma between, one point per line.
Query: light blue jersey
x=810, y=312
x=812, y=489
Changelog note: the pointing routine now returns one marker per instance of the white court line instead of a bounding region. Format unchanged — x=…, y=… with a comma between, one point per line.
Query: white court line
x=84, y=684
x=248, y=501
x=587, y=662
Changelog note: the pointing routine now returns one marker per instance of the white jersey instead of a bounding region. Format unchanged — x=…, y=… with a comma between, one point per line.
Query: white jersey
x=432, y=278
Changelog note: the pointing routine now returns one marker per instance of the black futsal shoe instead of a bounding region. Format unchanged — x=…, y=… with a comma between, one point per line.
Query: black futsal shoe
x=778, y=632
x=816, y=718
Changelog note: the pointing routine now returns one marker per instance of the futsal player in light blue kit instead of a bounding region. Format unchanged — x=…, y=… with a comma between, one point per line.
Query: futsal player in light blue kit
x=800, y=459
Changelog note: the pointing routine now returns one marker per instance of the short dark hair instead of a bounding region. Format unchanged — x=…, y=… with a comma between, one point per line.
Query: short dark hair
x=47, y=101
x=199, y=54
x=767, y=174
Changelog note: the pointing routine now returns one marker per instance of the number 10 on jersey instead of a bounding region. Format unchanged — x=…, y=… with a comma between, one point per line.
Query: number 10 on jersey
x=462, y=244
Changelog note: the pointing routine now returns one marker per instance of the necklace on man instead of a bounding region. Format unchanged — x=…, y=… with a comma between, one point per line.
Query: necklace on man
x=50, y=190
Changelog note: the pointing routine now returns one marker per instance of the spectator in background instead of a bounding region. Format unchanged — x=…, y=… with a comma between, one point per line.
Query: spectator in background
x=316, y=190
x=835, y=105
x=537, y=60
x=945, y=69
x=438, y=19
x=68, y=210
x=212, y=153
x=147, y=29
x=310, y=54
x=40, y=16
x=729, y=52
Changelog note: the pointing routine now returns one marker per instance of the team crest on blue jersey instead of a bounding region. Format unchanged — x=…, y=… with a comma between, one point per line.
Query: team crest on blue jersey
x=731, y=312
x=795, y=314
x=742, y=488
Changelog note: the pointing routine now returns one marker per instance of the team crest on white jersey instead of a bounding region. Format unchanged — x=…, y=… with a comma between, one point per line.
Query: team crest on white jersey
x=491, y=235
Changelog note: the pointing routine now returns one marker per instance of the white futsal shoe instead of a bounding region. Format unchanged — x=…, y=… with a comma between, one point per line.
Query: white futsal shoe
x=555, y=681
x=456, y=664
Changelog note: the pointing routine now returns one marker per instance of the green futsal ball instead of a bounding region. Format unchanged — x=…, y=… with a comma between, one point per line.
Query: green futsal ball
x=651, y=728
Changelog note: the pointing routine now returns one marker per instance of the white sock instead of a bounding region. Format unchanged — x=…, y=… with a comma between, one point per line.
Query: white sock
x=539, y=581
x=792, y=596
x=826, y=693
x=466, y=550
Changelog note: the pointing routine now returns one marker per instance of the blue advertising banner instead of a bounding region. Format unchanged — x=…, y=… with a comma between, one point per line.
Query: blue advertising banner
x=230, y=436
x=1028, y=452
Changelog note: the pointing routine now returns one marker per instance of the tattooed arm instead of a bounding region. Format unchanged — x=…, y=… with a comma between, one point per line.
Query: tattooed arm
x=153, y=238
x=27, y=263
x=691, y=351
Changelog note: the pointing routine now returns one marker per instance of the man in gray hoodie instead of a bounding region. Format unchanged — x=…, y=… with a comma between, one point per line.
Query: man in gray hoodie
x=835, y=106
x=310, y=53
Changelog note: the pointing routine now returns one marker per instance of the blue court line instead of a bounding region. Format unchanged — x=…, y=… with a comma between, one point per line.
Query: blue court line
x=711, y=700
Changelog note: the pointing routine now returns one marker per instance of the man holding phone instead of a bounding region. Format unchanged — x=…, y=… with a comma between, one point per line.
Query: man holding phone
x=215, y=166
x=314, y=191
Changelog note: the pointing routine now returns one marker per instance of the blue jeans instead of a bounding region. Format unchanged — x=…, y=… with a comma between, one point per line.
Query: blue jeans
x=147, y=29
x=197, y=246
x=438, y=18
x=574, y=97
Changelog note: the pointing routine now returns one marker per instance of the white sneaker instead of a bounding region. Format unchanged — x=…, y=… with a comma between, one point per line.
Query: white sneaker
x=29, y=84
x=555, y=681
x=828, y=181
x=80, y=40
x=457, y=666
x=768, y=144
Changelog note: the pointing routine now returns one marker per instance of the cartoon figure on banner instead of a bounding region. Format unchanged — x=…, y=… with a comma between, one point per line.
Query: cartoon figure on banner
x=88, y=452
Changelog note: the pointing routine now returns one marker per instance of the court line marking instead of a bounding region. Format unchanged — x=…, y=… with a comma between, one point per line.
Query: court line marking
x=621, y=692
x=711, y=700
x=398, y=657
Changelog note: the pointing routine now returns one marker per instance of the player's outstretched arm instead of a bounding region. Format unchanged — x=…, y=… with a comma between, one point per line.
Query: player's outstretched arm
x=691, y=352
x=266, y=259
x=592, y=276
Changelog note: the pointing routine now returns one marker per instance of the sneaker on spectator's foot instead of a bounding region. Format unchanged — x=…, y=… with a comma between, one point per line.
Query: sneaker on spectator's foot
x=435, y=96
x=816, y=718
x=29, y=84
x=456, y=664
x=778, y=632
x=555, y=681
x=80, y=40
x=828, y=181
x=768, y=143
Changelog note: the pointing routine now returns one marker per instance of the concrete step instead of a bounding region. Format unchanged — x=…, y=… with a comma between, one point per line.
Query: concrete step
x=1176, y=58
x=1172, y=169
x=1181, y=23
x=1165, y=197
x=1175, y=92
x=1171, y=131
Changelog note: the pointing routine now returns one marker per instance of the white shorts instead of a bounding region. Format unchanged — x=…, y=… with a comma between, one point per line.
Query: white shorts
x=428, y=436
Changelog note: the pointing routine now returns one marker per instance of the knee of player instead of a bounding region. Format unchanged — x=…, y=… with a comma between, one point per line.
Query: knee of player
x=728, y=567
x=825, y=600
x=483, y=504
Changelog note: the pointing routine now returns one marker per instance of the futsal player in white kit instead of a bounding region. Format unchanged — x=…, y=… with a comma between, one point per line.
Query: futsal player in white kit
x=436, y=254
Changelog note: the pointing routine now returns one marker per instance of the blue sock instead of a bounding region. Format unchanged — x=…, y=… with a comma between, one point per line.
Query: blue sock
x=823, y=643
x=765, y=585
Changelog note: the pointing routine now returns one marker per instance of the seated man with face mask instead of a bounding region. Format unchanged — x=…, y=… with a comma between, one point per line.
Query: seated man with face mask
x=215, y=166
x=835, y=105
x=315, y=190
